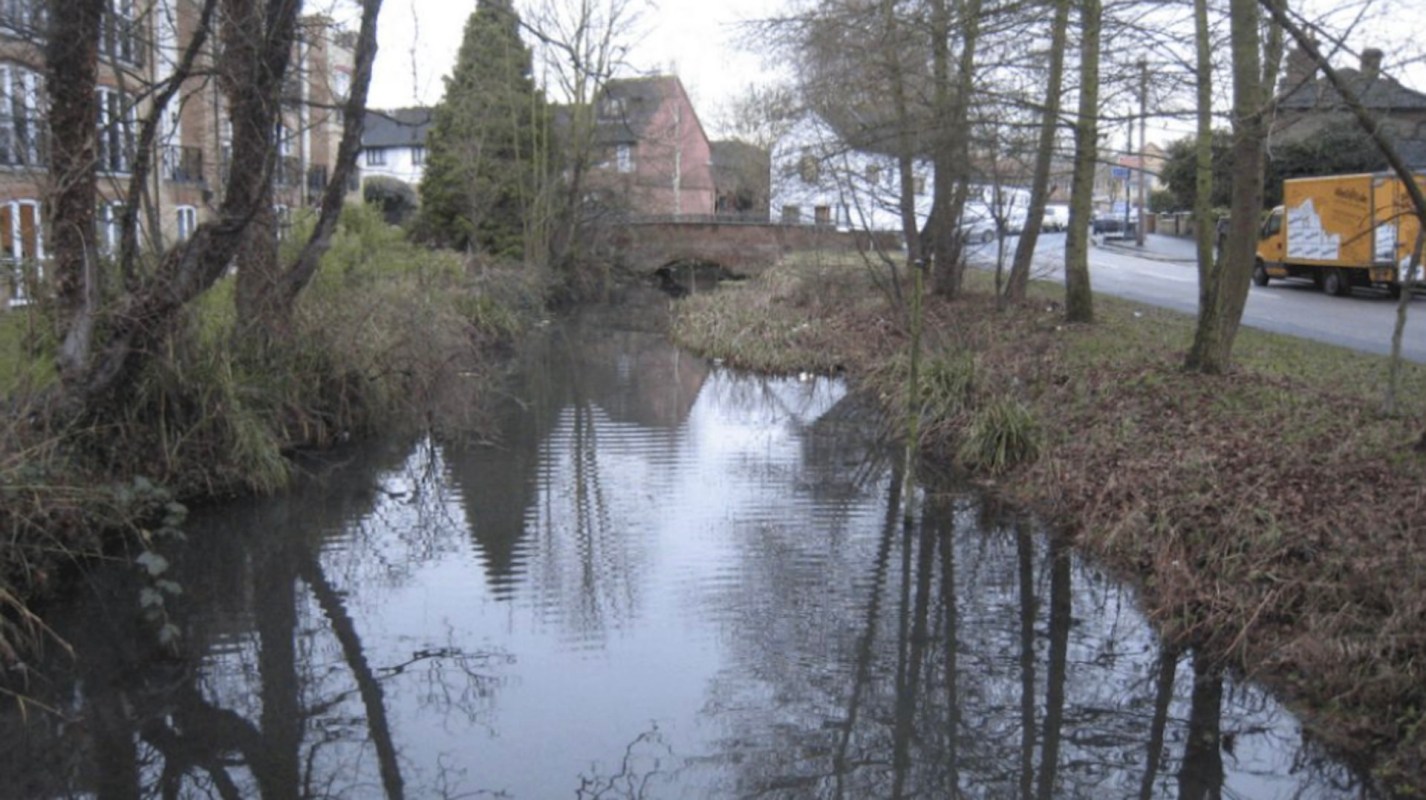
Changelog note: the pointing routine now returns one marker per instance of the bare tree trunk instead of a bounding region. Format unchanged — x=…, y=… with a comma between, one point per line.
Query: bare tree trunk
x=246, y=27
x=72, y=64
x=334, y=193
x=1044, y=157
x=1227, y=291
x=1204, y=232
x=953, y=151
x=906, y=199
x=144, y=147
x=1079, y=298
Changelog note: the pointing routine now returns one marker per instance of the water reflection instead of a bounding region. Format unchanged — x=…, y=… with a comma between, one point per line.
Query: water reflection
x=664, y=581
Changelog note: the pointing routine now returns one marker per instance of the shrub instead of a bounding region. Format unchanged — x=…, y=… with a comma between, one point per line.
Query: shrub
x=1002, y=434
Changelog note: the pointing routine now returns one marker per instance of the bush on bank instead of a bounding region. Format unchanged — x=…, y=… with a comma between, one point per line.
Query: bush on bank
x=388, y=334
x=1271, y=518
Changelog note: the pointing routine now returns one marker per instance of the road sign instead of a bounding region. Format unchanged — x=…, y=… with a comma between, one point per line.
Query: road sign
x=1119, y=173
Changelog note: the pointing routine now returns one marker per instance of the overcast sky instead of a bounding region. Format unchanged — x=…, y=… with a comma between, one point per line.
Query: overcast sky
x=696, y=39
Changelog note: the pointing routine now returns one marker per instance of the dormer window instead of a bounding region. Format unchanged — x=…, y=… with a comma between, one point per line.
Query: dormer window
x=612, y=108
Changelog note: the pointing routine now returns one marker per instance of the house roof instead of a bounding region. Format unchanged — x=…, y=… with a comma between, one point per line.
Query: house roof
x=401, y=127
x=627, y=106
x=1380, y=93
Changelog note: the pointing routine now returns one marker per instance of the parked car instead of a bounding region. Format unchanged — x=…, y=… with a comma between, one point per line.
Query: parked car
x=1112, y=226
x=979, y=224
x=1056, y=219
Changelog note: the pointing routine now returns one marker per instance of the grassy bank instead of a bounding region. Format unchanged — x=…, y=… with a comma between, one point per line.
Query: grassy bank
x=1271, y=517
x=388, y=335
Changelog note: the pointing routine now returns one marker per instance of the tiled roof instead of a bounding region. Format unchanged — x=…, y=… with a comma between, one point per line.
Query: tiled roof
x=401, y=127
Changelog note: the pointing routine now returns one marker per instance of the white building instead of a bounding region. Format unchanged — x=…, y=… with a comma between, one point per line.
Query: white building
x=393, y=144
x=817, y=178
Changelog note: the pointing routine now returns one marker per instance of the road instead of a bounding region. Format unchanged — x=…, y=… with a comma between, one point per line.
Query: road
x=1363, y=321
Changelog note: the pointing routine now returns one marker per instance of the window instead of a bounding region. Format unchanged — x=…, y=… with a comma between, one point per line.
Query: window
x=24, y=18
x=809, y=169
x=282, y=216
x=418, y=155
x=791, y=215
x=110, y=217
x=21, y=130
x=822, y=215
x=376, y=156
x=116, y=131
x=187, y=222
x=612, y=108
x=21, y=248
x=1272, y=225
x=120, y=39
x=624, y=158
x=284, y=137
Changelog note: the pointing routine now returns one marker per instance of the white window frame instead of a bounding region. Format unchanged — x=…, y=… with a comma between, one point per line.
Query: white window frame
x=116, y=131
x=16, y=259
x=21, y=89
x=187, y=218
x=376, y=156
x=110, y=219
x=282, y=220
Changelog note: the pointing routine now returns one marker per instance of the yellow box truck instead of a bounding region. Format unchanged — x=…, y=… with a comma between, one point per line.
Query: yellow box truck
x=1340, y=231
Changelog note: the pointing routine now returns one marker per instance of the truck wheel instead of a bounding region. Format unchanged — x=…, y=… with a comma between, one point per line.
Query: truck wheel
x=1260, y=273
x=1335, y=283
x=1393, y=290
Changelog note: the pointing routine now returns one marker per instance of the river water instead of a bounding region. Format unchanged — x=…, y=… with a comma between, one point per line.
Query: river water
x=666, y=580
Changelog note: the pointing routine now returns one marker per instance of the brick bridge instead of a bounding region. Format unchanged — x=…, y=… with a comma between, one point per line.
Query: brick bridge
x=744, y=248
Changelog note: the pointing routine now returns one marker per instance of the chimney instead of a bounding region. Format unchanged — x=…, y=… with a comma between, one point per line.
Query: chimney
x=1299, y=72
x=1371, y=64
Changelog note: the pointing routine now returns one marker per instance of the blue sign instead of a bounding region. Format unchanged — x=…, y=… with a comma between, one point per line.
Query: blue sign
x=1119, y=173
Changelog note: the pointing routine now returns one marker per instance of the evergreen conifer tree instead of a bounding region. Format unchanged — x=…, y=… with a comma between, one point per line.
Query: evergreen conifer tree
x=482, y=167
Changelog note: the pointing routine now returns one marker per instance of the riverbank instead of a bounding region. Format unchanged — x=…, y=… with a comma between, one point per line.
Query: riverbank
x=388, y=335
x=1271, y=518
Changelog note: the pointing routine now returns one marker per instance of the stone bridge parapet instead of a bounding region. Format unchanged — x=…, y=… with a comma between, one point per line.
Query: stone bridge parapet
x=743, y=248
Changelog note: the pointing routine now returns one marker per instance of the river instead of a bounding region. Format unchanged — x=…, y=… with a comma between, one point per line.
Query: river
x=666, y=579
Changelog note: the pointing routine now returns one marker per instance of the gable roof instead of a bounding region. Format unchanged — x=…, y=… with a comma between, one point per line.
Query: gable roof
x=401, y=127
x=627, y=106
x=1381, y=93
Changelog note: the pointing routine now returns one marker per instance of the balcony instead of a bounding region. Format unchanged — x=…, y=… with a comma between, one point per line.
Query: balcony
x=183, y=164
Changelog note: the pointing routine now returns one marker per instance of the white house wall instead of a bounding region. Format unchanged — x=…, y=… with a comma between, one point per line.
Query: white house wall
x=862, y=190
x=400, y=164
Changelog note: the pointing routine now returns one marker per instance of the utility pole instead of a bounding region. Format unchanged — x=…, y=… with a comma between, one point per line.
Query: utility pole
x=1143, y=164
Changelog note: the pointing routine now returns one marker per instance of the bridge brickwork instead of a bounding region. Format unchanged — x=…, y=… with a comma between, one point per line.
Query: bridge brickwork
x=743, y=248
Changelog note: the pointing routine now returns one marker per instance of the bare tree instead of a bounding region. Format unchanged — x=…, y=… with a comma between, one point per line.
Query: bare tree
x=1044, y=154
x=1079, y=299
x=1225, y=292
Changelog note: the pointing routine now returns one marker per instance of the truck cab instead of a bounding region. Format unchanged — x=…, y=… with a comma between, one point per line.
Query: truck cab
x=1272, y=249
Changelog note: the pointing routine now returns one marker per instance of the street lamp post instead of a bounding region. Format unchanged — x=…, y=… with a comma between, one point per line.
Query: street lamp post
x=1143, y=163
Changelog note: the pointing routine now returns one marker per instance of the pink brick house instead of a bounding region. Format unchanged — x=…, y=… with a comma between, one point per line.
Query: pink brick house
x=657, y=159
